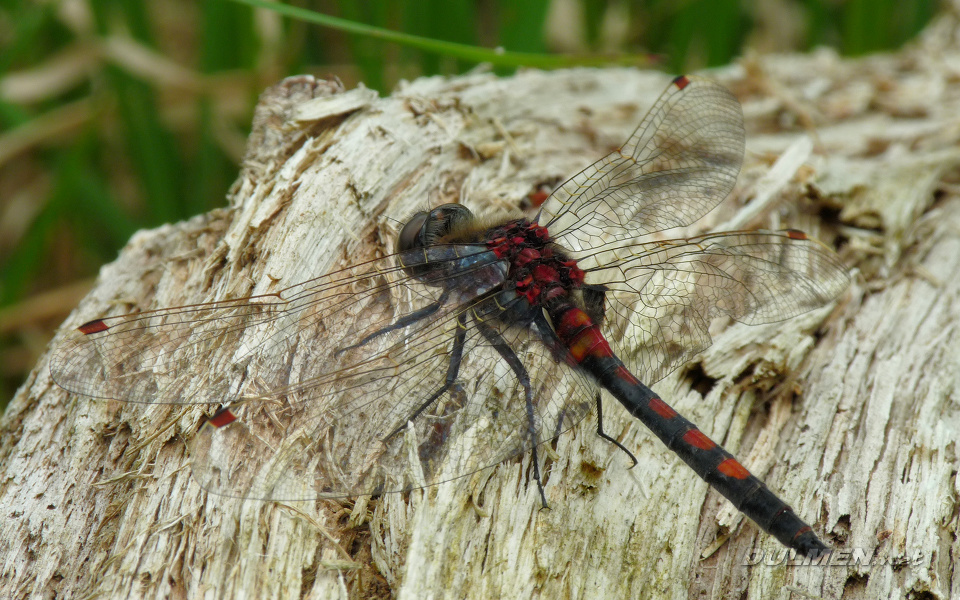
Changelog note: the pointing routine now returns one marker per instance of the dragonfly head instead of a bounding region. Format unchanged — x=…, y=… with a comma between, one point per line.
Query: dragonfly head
x=427, y=228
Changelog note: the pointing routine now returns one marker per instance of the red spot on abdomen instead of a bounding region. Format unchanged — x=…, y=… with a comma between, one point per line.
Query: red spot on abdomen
x=731, y=468
x=581, y=337
x=588, y=343
x=662, y=408
x=222, y=418
x=95, y=326
x=572, y=321
x=695, y=438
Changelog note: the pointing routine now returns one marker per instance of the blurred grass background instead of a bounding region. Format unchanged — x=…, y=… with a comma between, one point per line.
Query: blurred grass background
x=117, y=115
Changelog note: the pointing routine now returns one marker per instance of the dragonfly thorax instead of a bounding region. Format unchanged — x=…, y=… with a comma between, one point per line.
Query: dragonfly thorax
x=539, y=270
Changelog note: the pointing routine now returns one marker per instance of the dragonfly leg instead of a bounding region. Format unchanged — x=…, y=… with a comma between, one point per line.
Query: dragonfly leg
x=516, y=365
x=561, y=353
x=603, y=434
x=453, y=369
x=402, y=322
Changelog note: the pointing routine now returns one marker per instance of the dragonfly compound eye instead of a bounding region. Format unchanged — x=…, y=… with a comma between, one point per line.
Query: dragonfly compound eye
x=428, y=228
x=410, y=236
x=425, y=229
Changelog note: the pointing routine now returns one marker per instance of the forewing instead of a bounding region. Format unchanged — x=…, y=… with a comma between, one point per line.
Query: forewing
x=379, y=422
x=323, y=401
x=681, y=162
x=663, y=295
x=215, y=352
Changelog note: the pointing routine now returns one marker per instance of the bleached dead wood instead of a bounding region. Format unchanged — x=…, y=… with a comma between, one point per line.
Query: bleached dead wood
x=851, y=414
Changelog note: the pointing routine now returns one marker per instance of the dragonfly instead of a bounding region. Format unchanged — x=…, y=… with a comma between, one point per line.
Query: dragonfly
x=481, y=339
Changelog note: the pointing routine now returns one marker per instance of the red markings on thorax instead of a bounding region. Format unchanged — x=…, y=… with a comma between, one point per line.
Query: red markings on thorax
x=95, y=326
x=526, y=256
x=518, y=234
x=539, y=270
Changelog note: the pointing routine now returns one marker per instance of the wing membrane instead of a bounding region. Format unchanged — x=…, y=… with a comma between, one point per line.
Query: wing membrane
x=663, y=295
x=316, y=411
x=680, y=163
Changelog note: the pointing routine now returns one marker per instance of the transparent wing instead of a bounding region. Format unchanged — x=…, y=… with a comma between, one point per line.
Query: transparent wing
x=173, y=355
x=326, y=375
x=680, y=163
x=363, y=433
x=662, y=295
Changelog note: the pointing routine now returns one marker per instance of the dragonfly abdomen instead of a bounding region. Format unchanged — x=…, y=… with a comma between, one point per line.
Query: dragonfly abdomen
x=707, y=458
x=591, y=352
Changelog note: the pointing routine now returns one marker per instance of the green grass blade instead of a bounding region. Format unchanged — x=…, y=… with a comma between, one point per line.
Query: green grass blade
x=472, y=54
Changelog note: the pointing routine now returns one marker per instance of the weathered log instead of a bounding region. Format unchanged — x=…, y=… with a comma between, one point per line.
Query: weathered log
x=850, y=413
